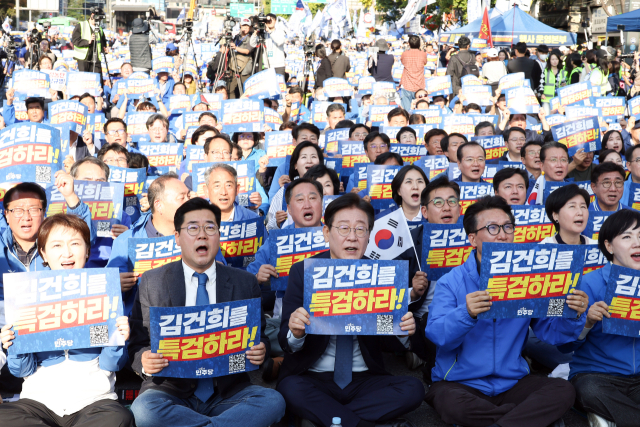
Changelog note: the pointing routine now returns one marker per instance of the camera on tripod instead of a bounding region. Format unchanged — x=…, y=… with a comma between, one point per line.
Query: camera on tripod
x=46, y=25
x=98, y=13
x=35, y=37
x=261, y=23
x=309, y=48
x=228, y=25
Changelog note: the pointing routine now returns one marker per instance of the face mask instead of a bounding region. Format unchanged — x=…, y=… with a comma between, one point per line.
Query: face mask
x=543, y=57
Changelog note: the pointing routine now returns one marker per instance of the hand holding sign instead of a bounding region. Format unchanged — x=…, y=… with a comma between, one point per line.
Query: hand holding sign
x=297, y=322
x=596, y=311
x=152, y=363
x=256, y=354
x=579, y=301
x=478, y=302
x=6, y=336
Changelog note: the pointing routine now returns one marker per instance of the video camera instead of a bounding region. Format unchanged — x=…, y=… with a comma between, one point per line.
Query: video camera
x=228, y=25
x=98, y=13
x=261, y=24
x=309, y=48
x=46, y=25
x=35, y=37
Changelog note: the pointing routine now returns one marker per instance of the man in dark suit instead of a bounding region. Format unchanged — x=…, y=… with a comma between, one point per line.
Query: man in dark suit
x=197, y=280
x=325, y=376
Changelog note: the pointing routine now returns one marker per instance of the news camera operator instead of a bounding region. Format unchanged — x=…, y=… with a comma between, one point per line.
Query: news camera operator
x=140, y=44
x=243, y=60
x=274, y=40
x=84, y=42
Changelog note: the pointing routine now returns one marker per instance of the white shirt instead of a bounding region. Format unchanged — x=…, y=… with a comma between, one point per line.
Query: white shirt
x=233, y=212
x=191, y=285
x=327, y=362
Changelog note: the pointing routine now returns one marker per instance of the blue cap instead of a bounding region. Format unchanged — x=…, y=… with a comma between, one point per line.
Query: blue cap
x=171, y=46
x=336, y=420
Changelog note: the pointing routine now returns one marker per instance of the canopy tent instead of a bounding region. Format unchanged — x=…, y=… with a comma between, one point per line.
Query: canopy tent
x=630, y=20
x=513, y=27
x=472, y=27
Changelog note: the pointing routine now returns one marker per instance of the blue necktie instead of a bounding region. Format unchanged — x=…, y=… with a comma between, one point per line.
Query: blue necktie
x=205, y=385
x=344, y=360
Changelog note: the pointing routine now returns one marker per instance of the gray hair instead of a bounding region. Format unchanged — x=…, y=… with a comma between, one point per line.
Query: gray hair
x=232, y=171
x=156, y=189
x=89, y=159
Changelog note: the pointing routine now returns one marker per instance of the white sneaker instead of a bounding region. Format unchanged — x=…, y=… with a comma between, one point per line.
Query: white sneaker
x=598, y=421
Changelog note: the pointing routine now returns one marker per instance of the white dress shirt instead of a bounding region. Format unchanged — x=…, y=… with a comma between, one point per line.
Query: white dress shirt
x=191, y=285
x=327, y=362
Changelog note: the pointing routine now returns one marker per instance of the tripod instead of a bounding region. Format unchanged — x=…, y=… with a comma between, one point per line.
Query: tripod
x=261, y=48
x=185, y=58
x=224, y=70
x=306, y=72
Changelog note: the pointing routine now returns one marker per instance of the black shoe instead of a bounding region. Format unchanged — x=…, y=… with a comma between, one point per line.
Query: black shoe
x=271, y=369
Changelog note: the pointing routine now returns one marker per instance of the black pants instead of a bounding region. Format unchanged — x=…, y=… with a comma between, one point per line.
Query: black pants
x=29, y=413
x=533, y=402
x=612, y=397
x=233, y=89
x=315, y=397
x=423, y=347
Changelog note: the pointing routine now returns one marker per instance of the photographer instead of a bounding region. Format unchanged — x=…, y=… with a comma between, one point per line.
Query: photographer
x=242, y=63
x=84, y=43
x=274, y=39
x=140, y=45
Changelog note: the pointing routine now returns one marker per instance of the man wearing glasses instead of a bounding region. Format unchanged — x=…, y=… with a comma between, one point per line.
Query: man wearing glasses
x=471, y=161
x=375, y=143
x=115, y=132
x=496, y=389
x=514, y=138
x=607, y=183
x=158, y=127
x=632, y=156
x=114, y=155
x=555, y=163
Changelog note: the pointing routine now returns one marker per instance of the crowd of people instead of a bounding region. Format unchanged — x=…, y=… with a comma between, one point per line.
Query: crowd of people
x=475, y=372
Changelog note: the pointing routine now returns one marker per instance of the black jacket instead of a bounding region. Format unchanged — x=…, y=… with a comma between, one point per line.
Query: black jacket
x=315, y=345
x=164, y=287
x=529, y=67
x=140, y=50
x=455, y=66
x=324, y=72
x=382, y=71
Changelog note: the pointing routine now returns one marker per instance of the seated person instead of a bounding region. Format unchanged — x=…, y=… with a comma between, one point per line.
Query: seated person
x=66, y=387
x=484, y=129
x=361, y=392
x=432, y=141
x=494, y=390
x=191, y=401
x=555, y=160
x=514, y=139
x=632, y=156
x=604, y=368
x=375, y=143
x=520, y=121
x=530, y=155
x=450, y=144
x=607, y=183
x=511, y=184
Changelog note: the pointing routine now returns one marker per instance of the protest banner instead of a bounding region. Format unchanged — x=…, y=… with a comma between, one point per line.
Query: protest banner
x=71, y=113
x=530, y=280
x=179, y=103
x=522, y=100
x=439, y=85
x=57, y=79
x=79, y=83
x=29, y=152
x=577, y=134
x=378, y=114
x=95, y=125
x=612, y=107
x=278, y=145
x=137, y=125
x=594, y=259
x=240, y=240
x=365, y=85
x=470, y=192
x=352, y=152
x=459, y=123
x=576, y=94
x=444, y=246
x=262, y=85
x=206, y=341
x=596, y=219
x=29, y=83
x=532, y=224
x=336, y=87
x=379, y=179
x=290, y=245
x=141, y=88
x=104, y=199
x=332, y=137
x=150, y=253
x=575, y=112
x=163, y=157
x=242, y=115
x=163, y=64
x=477, y=94
x=272, y=118
x=624, y=305
x=410, y=153
x=355, y=297
x=494, y=146
x=133, y=180
x=63, y=309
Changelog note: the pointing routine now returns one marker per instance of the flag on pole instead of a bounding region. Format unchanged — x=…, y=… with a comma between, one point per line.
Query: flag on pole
x=6, y=25
x=390, y=236
x=318, y=22
x=300, y=19
x=183, y=14
x=339, y=16
x=485, y=28
x=410, y=11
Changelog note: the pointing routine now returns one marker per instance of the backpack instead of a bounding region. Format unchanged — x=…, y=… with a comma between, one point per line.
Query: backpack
x=470, y=68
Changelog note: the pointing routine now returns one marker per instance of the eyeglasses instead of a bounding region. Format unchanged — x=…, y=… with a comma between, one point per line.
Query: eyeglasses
x=379, y=147
x=494, y=229
x=422, y=95
x=119, y=160
x=517, y=140
x=563, y=160
x=194, y=230
x=114, y=132
x=344, y=231
x=438, y=202
x=533, y=153
x=360, y=135
x=636, y=160
x=471, y=160
x=607, y=184
x=19, y=212
x=224, y=153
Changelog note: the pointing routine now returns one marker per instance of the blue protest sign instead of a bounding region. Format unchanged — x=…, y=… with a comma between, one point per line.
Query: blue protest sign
x=262, y=85
x=577, y=134
x=79, y=83
x=240, y=240
x=29, y=152
x=379, y=179
x=444, y=247
x=622, y=298
x=72, y=113
x=133, y=180
x=242, y=115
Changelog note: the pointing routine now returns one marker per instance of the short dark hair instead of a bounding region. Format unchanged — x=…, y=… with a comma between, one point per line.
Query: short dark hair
x=293, y=172
x=305, y=126
x=434, y=132
x=628, y=155
x=550, y=145
x=417, y=119
x=414, y=42
x=195, y=204
x=464, y=42
x=606, y=167
x=521, y=47
x=62, y=220
x=85, y=96
x=296, y=89
x=335, y=107
x=604, y=153
x=506, y=134
x=156, y=188
x=523, y=150
x=356, y=126
x=26, y=187
x=560, y=196
x=318, y=171
x=470, y=221
x=461, y=148
x=201, y=131
x=33, y=100
x=154, y=117
x=92, y=160
x=506, y=173
x=442, y=182
x=398, y=111
x=255, y=136
x=344, y=124
x=114, y=120
x=348, y=201
x=397, y=181
x=406, y=129
x=382, y=158
x=481, y=125
x=137, y=161
x=472, y=106
x=112, y=147
x=207, y=114
x=222, y=136
x=444, y=142
x=288, y=193
x=615, y=225
x=373, y=135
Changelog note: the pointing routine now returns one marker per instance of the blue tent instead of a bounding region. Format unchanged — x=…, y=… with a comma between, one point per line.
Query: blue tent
x=631, y=21
x=472, y=27
x=513, y=27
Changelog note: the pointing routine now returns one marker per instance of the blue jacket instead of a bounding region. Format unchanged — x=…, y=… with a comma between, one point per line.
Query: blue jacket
x=241, y=213
x=595, y=206
x=263, y=256
x=168, y=89
x=483, y=354
x=9, y=262
x=599, y=352
x=112, y=359
x=120, y=256
x=9, y=114
x=274, y=182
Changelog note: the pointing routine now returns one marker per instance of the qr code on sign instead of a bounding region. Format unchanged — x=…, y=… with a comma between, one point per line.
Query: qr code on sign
x=556, y=307
x=43, y=173
x=99, y=334
x=243, y=199
x=384, y=324
x=104, y=228
x=236, y=363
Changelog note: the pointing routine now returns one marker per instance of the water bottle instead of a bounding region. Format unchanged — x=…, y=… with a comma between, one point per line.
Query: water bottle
x=336, y=422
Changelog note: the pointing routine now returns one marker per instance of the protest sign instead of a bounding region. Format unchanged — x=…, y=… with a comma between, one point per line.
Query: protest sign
x=72, y=113
x=494, y=146
x=240, y=240
x=150, y=253
x=624, y=305
x=29, y=152
x=379, y=179
x=444, y=246
x=278, y=145
x=242, y=115
x=532, y=224
x=133, y=180
x=30, y=83
x=79, y=83
x=577, y=134
x=262, y=85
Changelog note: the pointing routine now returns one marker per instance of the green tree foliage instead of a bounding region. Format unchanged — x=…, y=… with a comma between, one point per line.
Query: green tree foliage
x=75, y=9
